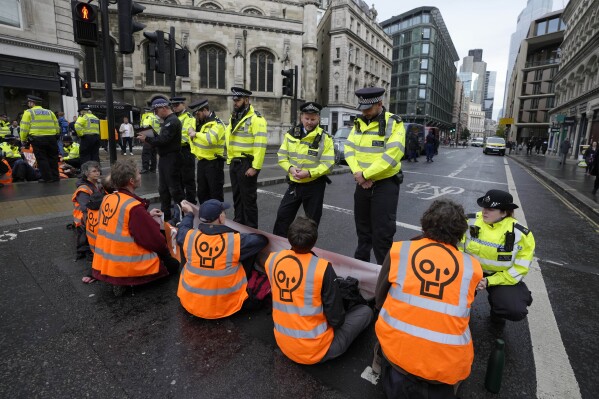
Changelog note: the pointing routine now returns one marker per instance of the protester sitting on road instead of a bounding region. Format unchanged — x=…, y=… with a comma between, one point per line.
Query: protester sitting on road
x=505, y=250
x=130, y=249
x=425, y=291
x=310, y=323
x=10, y=148
x=5, y=171
x=71, y=151
x=87, y=185
x=214, y=280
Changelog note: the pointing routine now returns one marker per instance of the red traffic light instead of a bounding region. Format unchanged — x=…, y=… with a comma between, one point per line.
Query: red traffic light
x=85, y=12
x=86, y=85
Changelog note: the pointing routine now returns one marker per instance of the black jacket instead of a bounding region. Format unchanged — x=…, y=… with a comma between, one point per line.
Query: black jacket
x=169, y=139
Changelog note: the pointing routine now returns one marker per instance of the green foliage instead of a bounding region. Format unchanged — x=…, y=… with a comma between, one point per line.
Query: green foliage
x=500, y=131
x=465, y=134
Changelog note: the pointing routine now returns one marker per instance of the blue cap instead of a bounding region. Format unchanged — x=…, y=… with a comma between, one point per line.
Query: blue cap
x=211, y=209
x=369, y=96
x=158, y=102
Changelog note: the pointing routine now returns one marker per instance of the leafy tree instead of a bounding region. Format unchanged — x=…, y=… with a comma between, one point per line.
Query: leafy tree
x=465, y=134
x=500, y=131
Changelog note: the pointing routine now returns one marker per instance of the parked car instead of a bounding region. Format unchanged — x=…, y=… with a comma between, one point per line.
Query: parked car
x=494, y=145
x=339, y=139
x=477, y=142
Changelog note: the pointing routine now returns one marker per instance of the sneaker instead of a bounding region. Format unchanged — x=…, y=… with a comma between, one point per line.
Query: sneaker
x=124, y=153
x=131, y=153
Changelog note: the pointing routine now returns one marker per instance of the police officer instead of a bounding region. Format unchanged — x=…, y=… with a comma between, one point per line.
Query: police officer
x=188, y=160
x=149, y=120
x=208, y=146
x=505, y=250
x=246, y=140
x=168, y=145
x=39, y=126
x=373, y=152
x=88, y=130
x=308, y=155
x=5, y=128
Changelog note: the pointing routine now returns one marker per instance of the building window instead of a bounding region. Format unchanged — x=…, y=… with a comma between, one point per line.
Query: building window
x=336, y=93
x=210, y=6
x=350, y=52
x=424, y=63
x=426, y=33
x=351, y=23
x=252, y=11
x=422, y=94
x=423, y=77
x=357, y=55
x=338, y=52
x=359, y=30
x=541, y=27
x=425, y=48
x=11, y=13
x=94, y=65
x=553, y=25
x=261, y=71
x=212, y=67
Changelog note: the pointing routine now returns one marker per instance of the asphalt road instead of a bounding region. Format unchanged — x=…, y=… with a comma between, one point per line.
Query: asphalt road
x=61, y=338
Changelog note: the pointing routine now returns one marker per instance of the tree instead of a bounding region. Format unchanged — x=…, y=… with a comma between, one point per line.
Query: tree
x=465, y=134
x=500, y=131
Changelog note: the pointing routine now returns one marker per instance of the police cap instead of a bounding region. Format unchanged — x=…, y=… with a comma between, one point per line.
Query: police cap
x=311, y=107
x=177, y=100
x=497, y=199
x=369, y=96
x=34, y=99
x=238, y=92
x=199, y=104
x=83, y=108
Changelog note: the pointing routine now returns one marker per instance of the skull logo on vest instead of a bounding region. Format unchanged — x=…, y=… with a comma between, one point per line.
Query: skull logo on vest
x=436, y=267
x=109, y=208
x=209, y=252
x=288, y=274
x=92, y=221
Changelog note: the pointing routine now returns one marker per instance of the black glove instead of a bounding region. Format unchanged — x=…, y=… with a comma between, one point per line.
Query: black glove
x=172, y=264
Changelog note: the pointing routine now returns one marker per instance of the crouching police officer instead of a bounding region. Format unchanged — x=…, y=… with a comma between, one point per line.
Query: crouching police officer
x=373, y=152
x=307, y=155
x=505, y=250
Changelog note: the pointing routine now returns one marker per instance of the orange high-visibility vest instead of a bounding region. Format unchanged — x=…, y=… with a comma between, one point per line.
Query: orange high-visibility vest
x=7, y=177
x=77, y=212
x=116, y=253
x=423, y=325
x=91, y=227
x=301, y=328
x=213, y=282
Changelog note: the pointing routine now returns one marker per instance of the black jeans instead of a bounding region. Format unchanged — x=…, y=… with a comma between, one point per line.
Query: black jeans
x=148, y=157
x=89, y=148
x=510, y=302
x=188, y=171
x=127, y=140
x=45, y=149
x=245, y=192
x=375, y=211
x=211, y=179
x=310, y=195
x=169, y=182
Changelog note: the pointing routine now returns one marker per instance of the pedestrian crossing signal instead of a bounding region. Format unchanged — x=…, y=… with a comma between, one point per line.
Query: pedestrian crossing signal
x=85, y=23
x=86, y=89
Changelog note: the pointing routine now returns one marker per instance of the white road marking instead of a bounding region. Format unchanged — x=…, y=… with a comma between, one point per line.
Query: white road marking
x=369, y=375
x=555, y=377
x=8, y=236
x=34, y=228
x=454, y=177
x=345, y=211
x=432, y=191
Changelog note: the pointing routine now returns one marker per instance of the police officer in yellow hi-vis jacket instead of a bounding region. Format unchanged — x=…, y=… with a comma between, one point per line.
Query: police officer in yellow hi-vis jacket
x=373, y=152
x=149, y=120
x=246, y=138
x=39, y=126
x=208, y=146
x=87, y=127
x=307, y=154
x=188, y=167
x=505, y=250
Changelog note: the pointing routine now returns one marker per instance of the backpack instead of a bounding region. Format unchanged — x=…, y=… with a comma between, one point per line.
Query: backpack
x=350, y=292
x=258, y=290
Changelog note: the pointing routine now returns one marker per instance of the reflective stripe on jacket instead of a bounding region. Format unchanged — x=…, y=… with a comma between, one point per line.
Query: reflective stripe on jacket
x=423, y=325
x=213, y=282
x=187, y=121
x=301, y=328
x=87, y=124
x=91, y=227
x=73, y=151
x=149, y=119
x=77, y=210
x=38, y=121
x=10, y=151
x=116, y=252
x=209, y=142
x=298, y=153
x=248, y=137
x=376, y=156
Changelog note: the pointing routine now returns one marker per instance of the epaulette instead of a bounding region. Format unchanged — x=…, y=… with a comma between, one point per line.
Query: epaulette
x=258, y=114
x=396, y=118
x=218, y=120
x=521, y=228
x=471, y=215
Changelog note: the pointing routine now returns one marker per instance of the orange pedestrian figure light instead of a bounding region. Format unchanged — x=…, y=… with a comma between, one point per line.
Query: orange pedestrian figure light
x=85, y=12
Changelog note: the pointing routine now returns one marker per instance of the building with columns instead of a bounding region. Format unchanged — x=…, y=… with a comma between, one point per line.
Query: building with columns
x=476, y=120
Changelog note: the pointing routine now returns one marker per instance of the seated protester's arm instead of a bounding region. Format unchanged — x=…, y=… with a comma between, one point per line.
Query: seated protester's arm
x=332, y=302
x=146, y=232
x=382, y=285
x=251, y=244
x=83, y=199
x=184, y=227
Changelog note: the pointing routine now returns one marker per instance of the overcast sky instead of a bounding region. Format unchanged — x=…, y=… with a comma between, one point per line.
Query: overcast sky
x=486, y=24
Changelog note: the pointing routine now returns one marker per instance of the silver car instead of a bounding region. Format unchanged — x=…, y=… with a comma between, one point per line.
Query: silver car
x=339, y=139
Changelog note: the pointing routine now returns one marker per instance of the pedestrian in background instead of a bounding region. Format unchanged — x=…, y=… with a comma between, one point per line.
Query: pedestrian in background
x=590, y=157
x=564, y=148
x=413, y=146
x=430, y=146
x=595, y=172
x=126, y=131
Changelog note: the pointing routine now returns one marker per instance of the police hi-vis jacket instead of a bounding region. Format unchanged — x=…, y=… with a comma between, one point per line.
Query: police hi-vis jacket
x=38, y=121
x=209, y=142
x=87, y=124
x=248, y=137
x=376, y=151
x=314, y=153
x=506, y=263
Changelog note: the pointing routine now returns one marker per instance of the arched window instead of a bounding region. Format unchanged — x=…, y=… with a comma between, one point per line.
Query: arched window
x=261, y=71
x=94, y=63
x=252, y=11
x=212, y=67
x=210, y=5
x=154, y=78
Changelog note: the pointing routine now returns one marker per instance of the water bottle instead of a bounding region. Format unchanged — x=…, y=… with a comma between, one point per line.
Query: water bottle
x=495, y=368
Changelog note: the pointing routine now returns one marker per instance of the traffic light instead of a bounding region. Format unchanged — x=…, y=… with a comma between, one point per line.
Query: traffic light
x=85, y=23
x=159, y=57
x=287, y=82
x=66, y=86
x=86, y=90
x=127, y=25
x=182, y=62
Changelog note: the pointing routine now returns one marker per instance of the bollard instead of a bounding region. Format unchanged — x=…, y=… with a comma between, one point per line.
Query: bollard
x=495, y=367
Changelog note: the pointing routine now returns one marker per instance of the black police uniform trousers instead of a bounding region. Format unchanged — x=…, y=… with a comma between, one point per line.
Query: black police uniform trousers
x=148, y=157
x=245, y=192
x=45, y=149
x=169, y=182
x=375, y=212
x=310, y=195
x=211, y=179
x=188, y=171
x=509, y=302
x=89, y=148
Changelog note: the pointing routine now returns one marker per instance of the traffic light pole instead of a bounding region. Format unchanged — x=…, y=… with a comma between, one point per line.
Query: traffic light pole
x=107, y=56
x=294, y=104
x=172, y=44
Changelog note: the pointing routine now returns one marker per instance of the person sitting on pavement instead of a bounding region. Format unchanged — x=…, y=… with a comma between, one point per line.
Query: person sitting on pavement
x=87, y=185
x=505, y=250
x=213, y=281
x=425, y=290
x=310, y=323
x=71, y=151
x=130, y=249
x=10, y=148
x=5, y=171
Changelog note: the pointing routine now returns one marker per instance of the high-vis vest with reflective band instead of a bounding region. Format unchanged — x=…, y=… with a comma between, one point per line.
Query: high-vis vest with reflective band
x=187, y=121
x=209, y=142
x=73, y=151
x=376, y=156
x=213, y=282
x=301, y=328
x=300, y=154
x=508, y=266
x=149, y=119
x=423, y=325
x=10, y=151
x=116, y=253
x=38, y=121
x=7, y=177
x=248, y=137
x=87, y=124
x=77, y=212
x=4, y=129
x=91, y=227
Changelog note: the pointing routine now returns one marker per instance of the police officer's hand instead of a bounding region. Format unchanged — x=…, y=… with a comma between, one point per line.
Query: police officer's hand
x=359, y=177
x=302, y=174
x=251, y=172
x=141, y=137
x=191, y=132
x=482, y=284
x=367, y=184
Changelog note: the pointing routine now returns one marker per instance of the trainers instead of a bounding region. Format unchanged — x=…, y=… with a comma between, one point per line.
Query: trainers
x=124, y=153
x=131, y=153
